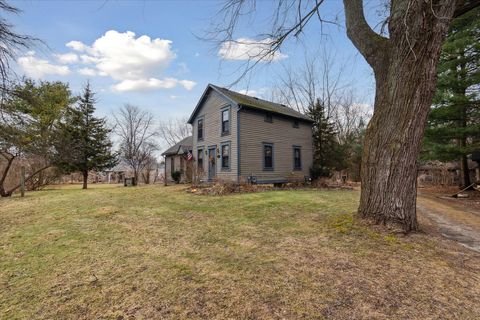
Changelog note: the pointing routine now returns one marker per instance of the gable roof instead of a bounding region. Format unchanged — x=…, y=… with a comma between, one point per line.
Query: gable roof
x=250, y=102
x=181, y=147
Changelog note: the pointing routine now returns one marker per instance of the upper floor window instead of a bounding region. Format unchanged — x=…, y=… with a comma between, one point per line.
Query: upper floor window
x=226, y=156
x=296, y=124
x=200, y=129
x=268, y=117
x=297, y=158
x=225, y=121
x=268, y=156
x=200, y=159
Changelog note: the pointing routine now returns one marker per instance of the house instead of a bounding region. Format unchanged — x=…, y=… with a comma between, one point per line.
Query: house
x=175, y=160
x=239, y=138
x=437, y=173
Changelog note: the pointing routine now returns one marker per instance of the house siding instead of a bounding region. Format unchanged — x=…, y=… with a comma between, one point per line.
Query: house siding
x=211, y=111
x=255, y=133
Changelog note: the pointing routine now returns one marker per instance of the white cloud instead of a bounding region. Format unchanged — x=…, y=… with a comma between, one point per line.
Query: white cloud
x=151, y=84
x=187, y=84
x=87, y=72
x=67, y=58
x=137, y=63
x=88, y=59
x=38, y=68
x=124, y=57
x=77, y=46
x=245, y=49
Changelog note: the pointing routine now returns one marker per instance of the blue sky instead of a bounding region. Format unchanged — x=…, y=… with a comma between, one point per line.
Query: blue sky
x=160, y=64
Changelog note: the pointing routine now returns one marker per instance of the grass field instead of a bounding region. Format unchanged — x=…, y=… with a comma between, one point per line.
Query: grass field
x=159, y=252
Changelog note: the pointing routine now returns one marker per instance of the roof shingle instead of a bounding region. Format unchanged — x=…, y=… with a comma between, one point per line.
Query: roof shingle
x=256, y=103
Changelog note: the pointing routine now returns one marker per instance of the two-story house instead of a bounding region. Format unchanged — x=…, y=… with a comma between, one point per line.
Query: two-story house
x=240, y=138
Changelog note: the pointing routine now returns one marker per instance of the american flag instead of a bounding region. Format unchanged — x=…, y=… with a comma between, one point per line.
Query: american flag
x=189, y=156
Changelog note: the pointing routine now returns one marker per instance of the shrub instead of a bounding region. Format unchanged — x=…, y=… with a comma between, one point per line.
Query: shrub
x=176, y=176
x=319, y=171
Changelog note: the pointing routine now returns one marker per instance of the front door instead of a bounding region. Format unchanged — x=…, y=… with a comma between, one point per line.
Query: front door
x=212, y=158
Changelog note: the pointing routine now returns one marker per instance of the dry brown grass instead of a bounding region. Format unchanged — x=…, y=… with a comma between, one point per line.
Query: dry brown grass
x=159, y=252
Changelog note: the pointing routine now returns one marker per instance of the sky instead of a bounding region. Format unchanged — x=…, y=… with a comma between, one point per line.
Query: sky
x=153, y=53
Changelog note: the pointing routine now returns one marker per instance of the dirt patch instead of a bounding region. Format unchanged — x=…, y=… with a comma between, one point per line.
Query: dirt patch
x=454, y=219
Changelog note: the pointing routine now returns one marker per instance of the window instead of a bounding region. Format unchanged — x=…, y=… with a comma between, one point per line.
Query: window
x=268, y=156
x=296, y=124
x=268, y=117
x=226, y=121
x=200, y=159
x=297, y=158
x=226, y=156
x=172, y=164
x=200, y=129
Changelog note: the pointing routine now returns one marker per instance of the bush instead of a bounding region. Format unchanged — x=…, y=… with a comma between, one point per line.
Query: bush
x=176, y=176
x=320, y=172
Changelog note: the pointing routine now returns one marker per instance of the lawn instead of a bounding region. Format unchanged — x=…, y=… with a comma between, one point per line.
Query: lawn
x=159, y=252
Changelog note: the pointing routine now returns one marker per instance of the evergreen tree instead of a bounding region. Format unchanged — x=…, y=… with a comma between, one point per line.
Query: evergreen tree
x=453, y=129
x=86, y=138
x=327, y=154
x=29, y=114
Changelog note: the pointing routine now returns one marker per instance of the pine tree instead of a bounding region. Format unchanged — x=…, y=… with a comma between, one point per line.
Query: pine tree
x=86, y=138
x=327, y=154
x=453, y=129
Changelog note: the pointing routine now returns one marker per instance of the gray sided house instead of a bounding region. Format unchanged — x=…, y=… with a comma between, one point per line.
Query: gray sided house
x=239, y=138
x=175, y=159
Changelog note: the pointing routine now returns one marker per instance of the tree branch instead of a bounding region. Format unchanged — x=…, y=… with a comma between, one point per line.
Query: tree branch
x=465, y=6
x=370, y=44
x=29, y=178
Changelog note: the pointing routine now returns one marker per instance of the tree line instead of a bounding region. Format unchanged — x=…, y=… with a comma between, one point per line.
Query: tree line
x=52, y=132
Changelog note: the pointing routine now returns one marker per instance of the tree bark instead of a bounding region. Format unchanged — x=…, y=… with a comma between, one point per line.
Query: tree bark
x=85, y=179
x=405, y=73
x=465, y=173
x=3, y=192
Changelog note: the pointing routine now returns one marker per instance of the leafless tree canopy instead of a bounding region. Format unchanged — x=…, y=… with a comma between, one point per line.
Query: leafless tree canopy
x=173, y=131
x=288, y=19
x=319, y=78
x=136, y=130
x=10, y=41
x=322, y=78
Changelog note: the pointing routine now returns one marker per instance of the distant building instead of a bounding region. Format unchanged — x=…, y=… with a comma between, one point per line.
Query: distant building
x=176, y=160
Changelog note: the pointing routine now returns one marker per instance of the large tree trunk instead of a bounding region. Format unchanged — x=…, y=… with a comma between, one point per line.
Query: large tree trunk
x=8, y=165
x=465, y=174
x=85, y=179
x=405, y=73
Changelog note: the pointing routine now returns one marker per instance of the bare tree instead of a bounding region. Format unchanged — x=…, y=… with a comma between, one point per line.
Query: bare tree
x=404, y=64
x=348, y=114
x=151, y=165
x=136, y=130
x=11, y=43
x=319, y=78
x=174, y=130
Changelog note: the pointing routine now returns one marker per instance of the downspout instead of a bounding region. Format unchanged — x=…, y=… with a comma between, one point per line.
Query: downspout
x=165, y=170
x=238, y=143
